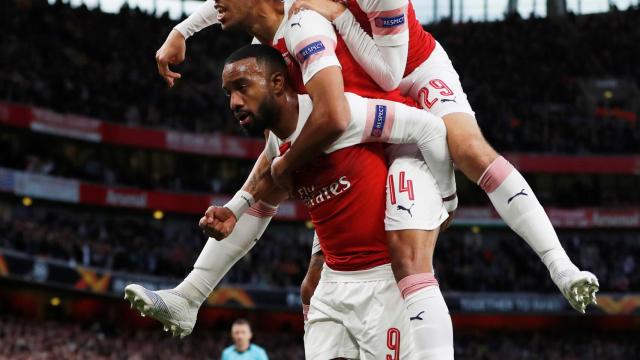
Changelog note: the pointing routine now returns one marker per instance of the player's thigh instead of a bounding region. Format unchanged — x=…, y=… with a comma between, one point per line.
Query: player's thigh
x=328, y=339
x=435, y=86
x=386, y=330
x=326, y=336
x=413, y=199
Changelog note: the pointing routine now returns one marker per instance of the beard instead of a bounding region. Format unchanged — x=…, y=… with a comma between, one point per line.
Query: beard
x=263, y=118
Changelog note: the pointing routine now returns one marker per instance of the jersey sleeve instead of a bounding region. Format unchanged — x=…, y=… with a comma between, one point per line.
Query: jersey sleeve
x=204, y=16
x=272, y=147
x=388, y=19
x=385, y=64
x=311, y=40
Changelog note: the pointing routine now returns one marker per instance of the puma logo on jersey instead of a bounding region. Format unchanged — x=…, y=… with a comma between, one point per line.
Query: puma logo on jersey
x=516, y=195
x=400, y=207
x=417, y=317
x=449, y=100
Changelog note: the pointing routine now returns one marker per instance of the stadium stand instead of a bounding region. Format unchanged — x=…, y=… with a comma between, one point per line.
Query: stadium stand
x=525, y=99
x=564, y=87
x=21, y=338
x=466, y=259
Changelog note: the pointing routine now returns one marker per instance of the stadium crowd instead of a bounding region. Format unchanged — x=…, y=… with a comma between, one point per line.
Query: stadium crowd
x=104, y=67
x=167, y=171
x=24, y=339
x=21, y=339
x=465, y=260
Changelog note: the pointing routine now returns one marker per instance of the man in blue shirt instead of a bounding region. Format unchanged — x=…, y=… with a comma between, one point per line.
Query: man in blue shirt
x=242, y=348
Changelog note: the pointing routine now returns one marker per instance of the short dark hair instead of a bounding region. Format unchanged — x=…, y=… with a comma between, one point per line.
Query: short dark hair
x=268, y=56
x=241, y=321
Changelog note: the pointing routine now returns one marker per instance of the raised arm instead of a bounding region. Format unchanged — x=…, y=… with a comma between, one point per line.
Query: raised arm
x=313, y=46
x=384, y=55
x=206, y=15
x=173, y=49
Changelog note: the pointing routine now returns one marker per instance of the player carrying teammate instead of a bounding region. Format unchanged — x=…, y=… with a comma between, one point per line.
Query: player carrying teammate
x=415, y=229
x=344, y=192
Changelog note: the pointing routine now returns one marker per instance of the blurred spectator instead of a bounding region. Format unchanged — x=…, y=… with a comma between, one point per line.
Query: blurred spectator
x=476, y=260
x=161, y=170
x=29, y=339
x=87, y=62
x=242, y=348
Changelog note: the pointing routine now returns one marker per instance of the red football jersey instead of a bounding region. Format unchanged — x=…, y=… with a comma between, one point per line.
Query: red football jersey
x=421, y=42
x=309, y=43
x=344, y=191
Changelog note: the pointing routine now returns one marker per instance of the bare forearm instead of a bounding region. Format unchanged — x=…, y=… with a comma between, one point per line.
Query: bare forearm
x=260, y=184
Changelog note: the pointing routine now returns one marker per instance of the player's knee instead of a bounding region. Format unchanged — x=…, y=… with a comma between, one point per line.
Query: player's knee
x=474, y=155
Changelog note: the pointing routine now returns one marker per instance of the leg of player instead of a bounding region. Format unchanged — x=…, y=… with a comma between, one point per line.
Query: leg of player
x=177, y=308
x=311, y=279
x=518, y=206
x=414, y=214
x=436, y=86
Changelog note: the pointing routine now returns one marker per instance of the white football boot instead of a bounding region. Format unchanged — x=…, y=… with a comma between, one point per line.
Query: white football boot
x=176, y=313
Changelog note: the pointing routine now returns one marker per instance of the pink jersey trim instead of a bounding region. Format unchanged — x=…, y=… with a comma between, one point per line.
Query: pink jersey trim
x=495, y=174
x=380, y=117
x=314, y=48
x=389, y=22
x=413, y=283
x=262, y=210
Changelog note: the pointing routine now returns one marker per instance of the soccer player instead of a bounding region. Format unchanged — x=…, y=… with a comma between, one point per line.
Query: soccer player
x=344, y=191
x=242, y=348
x=314, y=55
x=370, y=29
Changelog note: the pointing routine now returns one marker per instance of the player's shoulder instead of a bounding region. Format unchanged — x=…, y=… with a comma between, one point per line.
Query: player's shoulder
x=305, y=24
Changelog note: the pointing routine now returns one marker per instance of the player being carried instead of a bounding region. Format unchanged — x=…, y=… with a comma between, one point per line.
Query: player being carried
x=421, y=69
x=344, y=191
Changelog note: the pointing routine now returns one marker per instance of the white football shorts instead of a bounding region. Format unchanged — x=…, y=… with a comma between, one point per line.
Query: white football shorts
x=357, y=315
x=436, y=86
x=413, y=198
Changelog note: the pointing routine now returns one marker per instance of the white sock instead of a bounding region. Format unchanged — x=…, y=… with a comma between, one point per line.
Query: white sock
x=431, y=325
x=518, y=206
x=217, y=257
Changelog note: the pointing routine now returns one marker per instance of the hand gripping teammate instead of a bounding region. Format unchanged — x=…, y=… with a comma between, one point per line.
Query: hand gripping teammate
x=354, y=312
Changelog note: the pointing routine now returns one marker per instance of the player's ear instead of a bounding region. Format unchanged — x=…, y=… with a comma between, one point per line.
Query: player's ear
x=278, y=82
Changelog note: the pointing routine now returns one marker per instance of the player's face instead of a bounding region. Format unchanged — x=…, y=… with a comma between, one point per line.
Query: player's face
x=250, y=99
x=234, y=14
x=241, y=335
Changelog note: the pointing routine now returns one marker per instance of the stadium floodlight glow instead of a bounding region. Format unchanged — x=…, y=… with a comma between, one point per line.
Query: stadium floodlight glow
x=158, y=214
x=27, y=201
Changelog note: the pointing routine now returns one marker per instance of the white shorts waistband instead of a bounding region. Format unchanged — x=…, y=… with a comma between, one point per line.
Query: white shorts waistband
x=378, y=273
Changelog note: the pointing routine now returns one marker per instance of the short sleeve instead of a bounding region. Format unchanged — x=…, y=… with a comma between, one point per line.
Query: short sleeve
x=272, y=148
x=311, y=40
